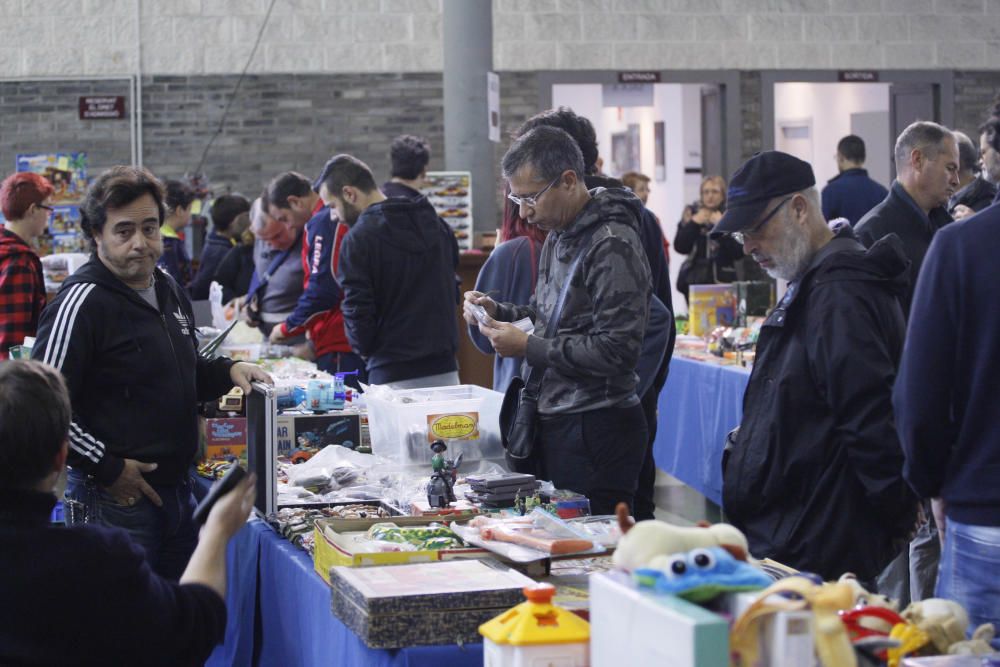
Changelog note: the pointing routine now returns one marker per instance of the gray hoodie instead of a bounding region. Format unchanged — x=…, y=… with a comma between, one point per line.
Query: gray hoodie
x=590, y=362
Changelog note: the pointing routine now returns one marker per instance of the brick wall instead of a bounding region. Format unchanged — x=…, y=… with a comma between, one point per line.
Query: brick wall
x=43, y=117
x=277, y=122
x=974, y=99
x=76, y=37
x=282, y=122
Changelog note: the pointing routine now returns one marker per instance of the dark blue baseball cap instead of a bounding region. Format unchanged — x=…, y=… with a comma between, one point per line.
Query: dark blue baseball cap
x=327, y=168
x=761, y=178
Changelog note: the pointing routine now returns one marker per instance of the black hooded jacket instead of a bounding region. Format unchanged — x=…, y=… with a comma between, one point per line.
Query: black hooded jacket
x=134, y=374
x=397, y=268
x=814, y=477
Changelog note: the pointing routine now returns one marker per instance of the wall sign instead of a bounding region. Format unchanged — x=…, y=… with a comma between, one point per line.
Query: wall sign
x=638, y=77
x=857, y=76
x=109, y=107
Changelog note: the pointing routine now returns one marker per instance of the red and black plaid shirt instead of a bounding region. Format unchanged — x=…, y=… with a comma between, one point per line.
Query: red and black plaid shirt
x=22, y=291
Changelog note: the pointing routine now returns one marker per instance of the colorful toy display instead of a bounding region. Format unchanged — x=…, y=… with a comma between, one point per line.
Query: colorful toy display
x=642, y=542
x=700, y=574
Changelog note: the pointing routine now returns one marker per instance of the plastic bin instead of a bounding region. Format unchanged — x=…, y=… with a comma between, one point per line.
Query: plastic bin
x=404, y=423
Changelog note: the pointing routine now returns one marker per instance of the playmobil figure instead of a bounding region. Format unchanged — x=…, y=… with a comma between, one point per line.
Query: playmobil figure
x=440, y=488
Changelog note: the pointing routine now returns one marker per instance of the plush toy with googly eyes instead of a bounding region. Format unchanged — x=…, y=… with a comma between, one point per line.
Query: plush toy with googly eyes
x=700, y=574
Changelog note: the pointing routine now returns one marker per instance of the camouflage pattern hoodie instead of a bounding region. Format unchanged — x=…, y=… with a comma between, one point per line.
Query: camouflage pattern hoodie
x=590, y=361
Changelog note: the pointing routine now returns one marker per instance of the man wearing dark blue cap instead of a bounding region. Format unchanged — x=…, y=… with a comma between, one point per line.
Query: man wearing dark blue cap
x=813, y=476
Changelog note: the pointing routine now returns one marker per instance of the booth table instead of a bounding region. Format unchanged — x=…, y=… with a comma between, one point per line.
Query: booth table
x=279, y=608
x=698, y=406
x=279, y=613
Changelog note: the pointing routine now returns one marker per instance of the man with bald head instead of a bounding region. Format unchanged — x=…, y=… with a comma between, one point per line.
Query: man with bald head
x=927, y=166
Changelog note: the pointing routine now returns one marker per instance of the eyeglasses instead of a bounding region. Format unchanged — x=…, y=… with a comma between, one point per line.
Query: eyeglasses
x=532, y=200
x=47, y=208
x=750, y=234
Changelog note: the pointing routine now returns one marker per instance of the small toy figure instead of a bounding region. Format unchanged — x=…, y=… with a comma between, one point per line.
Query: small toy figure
x=440, y=488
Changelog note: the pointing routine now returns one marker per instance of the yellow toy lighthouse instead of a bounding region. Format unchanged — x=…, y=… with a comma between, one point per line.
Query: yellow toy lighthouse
x=536, y=633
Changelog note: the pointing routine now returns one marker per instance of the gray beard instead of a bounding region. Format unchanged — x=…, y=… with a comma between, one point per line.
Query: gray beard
x=792, y=258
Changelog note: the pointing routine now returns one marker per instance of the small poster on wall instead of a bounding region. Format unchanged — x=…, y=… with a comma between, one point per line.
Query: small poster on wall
x=450, y=193
x=67, y=172
x=625, y=150
x=660, y=150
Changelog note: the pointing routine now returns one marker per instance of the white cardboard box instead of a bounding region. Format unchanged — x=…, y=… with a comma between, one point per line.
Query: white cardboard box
x=629, y=627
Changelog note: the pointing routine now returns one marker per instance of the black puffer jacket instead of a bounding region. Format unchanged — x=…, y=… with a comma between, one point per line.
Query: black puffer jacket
x=134, y=373
x=814, y=477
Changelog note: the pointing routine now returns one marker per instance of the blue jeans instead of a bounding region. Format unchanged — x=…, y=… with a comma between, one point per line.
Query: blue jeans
x=970, y=561
x=167, y=534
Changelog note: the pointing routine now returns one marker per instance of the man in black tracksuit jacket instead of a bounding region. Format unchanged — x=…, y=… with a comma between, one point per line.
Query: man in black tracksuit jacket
x=397, y=269
x=134, y=374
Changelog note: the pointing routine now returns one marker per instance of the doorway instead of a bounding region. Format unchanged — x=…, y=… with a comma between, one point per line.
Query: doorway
x=675, y=131
x=877, y=110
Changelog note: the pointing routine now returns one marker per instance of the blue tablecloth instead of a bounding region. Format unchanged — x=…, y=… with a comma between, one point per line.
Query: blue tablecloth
x=699, y=405
x=279, y=613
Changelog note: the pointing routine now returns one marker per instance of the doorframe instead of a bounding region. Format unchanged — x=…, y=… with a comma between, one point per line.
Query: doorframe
x=727, y=80
x=943, y=79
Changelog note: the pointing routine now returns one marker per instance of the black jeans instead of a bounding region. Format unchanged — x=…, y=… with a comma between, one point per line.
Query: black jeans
x=598, y=453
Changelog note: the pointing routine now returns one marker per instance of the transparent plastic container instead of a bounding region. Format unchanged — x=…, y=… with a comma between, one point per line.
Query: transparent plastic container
x=404, y=423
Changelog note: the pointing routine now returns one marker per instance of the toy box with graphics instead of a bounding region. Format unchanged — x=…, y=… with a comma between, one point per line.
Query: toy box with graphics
x=224, y=438
x=307, y=433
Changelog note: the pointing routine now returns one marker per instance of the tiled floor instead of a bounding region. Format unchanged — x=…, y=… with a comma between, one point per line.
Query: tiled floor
x=680, y=504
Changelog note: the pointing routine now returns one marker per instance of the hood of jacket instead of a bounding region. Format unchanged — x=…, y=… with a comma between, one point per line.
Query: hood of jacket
x=411, y=225
x=845, y=258
x=607, y=206
x=94, y=271
x=11, y=244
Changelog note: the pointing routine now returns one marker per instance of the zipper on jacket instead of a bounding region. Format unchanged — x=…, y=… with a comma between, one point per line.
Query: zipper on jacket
x=173, y=350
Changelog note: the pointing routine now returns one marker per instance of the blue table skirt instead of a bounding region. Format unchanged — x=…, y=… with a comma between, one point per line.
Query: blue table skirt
x=699, y=405
x=279, y=613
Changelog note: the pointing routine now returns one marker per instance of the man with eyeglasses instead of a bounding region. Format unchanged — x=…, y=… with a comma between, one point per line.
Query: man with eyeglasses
x=591, y=433
x=25, y=199
x=813, y=476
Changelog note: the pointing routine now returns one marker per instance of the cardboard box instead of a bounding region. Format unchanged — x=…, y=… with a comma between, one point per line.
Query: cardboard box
x=223, y=437
x=426, y=603
x=297, y=430
x=335, y=545
x=632, y=627
x=711, y=306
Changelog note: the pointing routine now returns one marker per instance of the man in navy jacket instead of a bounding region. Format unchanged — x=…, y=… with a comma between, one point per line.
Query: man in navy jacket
x=851, y=193
x=946, y=407
x=85, y=595
x=397, y=269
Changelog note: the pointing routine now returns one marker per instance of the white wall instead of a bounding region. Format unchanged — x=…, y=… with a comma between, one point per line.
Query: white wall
x=829, y=107
x=93, y=37
x=682, y=128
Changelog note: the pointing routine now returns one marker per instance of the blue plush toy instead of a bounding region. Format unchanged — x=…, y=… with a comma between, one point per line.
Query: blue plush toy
x=700, y=575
